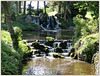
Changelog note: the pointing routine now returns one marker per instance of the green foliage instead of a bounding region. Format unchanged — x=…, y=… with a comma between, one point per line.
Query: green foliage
x=18, y=32
x=84, y=27
x=24, y=50
x=66, y=24
x=10, y=59
x=30, y=9
x=89, y=6
x=5, y=36
x=87, y=46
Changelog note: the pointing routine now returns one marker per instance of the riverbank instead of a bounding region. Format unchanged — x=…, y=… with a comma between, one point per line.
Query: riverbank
x=11, y=58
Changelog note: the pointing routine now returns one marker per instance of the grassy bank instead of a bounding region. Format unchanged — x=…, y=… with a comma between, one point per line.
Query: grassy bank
x=11, y=58
x=22, y=25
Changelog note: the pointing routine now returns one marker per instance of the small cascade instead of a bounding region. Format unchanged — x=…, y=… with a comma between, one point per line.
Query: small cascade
x=52, y=23
x=58, y=44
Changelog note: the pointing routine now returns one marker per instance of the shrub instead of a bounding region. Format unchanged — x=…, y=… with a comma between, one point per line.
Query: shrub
x=87, y=46
x=10, y=59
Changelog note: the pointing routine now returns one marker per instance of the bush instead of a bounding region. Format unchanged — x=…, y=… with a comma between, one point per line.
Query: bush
x=84, y=27
x=23, y=50
x=87, y=46
x=10, y=59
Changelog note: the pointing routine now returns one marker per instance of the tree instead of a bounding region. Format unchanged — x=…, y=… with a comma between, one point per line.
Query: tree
x=30, y=9
x=38, y=7
x=16, y=7
x=45, y=6
x=19, y=6
x=24, y=7
x=8, y=22
x=88, y=6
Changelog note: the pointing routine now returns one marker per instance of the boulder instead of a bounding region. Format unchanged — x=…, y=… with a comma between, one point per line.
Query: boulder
x=56, y=55
x=63, y=44
x=28, y=19
x=59, y=50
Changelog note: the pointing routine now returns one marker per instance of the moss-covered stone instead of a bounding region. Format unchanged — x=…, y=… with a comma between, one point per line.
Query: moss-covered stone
x=36, y=45
x=87, y=46
x=37, y=52
x=59, y=50
x=56, y=55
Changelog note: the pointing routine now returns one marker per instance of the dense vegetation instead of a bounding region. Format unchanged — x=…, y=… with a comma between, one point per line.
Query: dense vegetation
x=11, y=58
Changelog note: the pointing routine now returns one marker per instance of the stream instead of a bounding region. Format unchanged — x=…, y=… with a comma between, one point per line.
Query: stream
x=54, y=66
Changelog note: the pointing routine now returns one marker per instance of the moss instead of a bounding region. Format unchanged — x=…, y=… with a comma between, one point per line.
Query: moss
x=50, y=38
x=36, y=45
x=57, y=55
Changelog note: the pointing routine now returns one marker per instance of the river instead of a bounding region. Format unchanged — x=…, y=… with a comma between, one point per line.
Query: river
x=54, y=66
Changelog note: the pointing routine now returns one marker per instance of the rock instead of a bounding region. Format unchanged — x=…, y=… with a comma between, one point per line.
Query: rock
x=95, y=62
x=36, y=45
x=28, y=19
x=56, y=55
x=49, y=43
x=71, y=51
x=63, y=44
x=59, y=50
x=37, y=52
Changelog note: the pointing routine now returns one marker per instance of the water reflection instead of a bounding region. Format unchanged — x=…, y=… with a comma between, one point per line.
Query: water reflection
x=48, y=66
x=57, y=34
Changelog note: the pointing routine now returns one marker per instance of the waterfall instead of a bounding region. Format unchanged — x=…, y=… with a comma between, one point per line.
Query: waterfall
x=51, y=20
x=58, y=44
x=43, y=27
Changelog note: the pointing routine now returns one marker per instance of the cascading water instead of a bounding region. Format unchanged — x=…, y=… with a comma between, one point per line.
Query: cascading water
x=53, y=23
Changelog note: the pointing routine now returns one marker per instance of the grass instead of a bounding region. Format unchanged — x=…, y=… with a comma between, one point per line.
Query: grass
x=22, y=25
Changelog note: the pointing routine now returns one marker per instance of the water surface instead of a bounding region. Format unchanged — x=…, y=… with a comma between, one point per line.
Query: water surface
x=52, y=66
x=57, y=34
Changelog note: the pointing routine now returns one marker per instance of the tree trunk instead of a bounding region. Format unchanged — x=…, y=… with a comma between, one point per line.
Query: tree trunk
x=45, y=6
x=30, y=9
x=65, y=13
x=59, y=8
x=19, y=6
x=38, y=7
x=16, y=7
x=8, y=21
x=24, y=7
